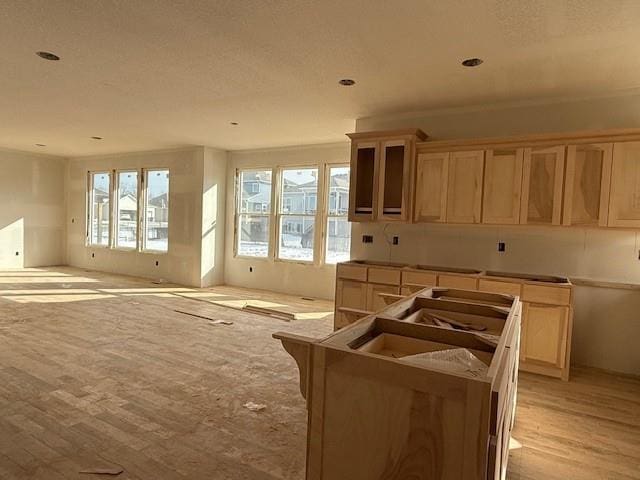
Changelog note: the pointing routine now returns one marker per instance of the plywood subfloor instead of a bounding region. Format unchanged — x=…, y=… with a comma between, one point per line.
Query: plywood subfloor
x=99, y=370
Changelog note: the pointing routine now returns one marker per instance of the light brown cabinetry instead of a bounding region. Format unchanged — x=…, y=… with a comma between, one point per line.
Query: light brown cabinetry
x=432, y=179
x=587, y=184
x=382, y=169
x=543, y=175
x=377, y=409
x=547, y=313
x=624, y=209
x=544, y=336
x=464, y=191
x=502, y=186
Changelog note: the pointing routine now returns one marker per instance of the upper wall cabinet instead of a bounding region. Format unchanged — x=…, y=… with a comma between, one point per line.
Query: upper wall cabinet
x=382, y=166
x=587, y=183
x=624, y=207
x=542, y=178
x=395, y=178
x=432, y=177
x=502, y=186
x=464, y=191
x=364, y=174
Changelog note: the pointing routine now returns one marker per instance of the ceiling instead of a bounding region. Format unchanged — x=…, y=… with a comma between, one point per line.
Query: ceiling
x=165, y=73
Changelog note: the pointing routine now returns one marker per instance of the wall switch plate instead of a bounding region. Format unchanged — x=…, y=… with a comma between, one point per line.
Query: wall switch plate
x=396, y=240
x=157, y=263
x=502, y=247
x=250, y=269
x=367, y=238
x=93, y=255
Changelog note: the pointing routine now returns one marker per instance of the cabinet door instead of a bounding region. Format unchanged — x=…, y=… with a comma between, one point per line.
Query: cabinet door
x=363, y=181
x=351, y=294
x=432, y=173
x=502, y=186
x=464, y=193
x=624, y=206
x=586, y=185
x=395, y=175
x=374, y=302
x=544, y=334
x=542, y=180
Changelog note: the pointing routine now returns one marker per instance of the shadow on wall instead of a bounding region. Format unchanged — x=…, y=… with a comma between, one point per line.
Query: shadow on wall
x=12, y=244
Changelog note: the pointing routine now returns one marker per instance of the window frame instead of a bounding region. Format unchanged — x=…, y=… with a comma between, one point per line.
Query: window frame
x=316, y=258
x=89, y=206
x=238, y=214
x=327, y=206
x=142, y=219
x=116, y=208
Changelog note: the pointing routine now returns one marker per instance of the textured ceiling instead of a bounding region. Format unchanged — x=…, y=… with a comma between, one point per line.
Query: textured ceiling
x=153, y=74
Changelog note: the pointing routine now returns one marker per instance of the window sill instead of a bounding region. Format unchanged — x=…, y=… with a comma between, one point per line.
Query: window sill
x=249, y=257
x=155, y=252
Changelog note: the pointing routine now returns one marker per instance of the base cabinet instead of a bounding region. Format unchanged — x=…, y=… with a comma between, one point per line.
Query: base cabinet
x=544, y=335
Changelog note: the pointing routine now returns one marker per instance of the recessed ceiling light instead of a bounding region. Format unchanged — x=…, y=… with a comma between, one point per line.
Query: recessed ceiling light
x=472, y=62
x=97, y=138
x=234, y=123
x=48, y=56
x=40, y=145
x=347, y=82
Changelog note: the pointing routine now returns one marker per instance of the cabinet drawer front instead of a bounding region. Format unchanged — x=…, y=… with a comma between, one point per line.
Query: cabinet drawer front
x=384, y=276
x=493, y=286
x=543, y=294
x=352, y=272
x=456, y=281
x=419, y=278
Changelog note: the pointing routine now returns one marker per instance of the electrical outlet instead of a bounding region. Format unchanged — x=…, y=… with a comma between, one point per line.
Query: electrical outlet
x=250, y=269
x=367, y=238
x=157, y=263
x=396, y=240
x=93, y=255
x=17, y=254
x=502, y=247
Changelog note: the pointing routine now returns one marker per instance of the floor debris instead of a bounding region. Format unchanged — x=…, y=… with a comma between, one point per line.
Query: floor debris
x=103, y=471
x=220, y=322
x=254, y=407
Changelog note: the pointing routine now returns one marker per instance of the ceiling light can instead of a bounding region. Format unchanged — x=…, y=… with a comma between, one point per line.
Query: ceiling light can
x=472, y=62
x=48, y=56
x=347, y=82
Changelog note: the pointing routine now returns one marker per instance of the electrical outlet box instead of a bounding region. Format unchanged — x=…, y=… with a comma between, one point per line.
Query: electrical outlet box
x=502, y=247
x=396, y=240
x=367, y=238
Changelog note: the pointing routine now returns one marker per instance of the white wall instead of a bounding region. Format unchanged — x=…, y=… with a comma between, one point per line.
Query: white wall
x=281, y=276
x=32, y=205
x=606, y=326
x=182, y=263
x=214, y=190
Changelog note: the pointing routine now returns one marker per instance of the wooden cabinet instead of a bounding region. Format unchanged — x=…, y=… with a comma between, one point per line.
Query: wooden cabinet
x=432, y=178
x=502, y=186
x=587, y=184
x=544, y=335
x=382, y=165
x=624, y=207
x=364, y=174
x=350, y=295
x=462, y=282
x=395, y=177
x=542, y=179
x=464, y=191
x=374, y=301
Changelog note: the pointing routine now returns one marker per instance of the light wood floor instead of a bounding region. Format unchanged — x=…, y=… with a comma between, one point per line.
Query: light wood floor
x=99, y=370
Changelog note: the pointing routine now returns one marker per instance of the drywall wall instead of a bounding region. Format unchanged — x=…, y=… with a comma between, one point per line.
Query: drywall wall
x=214, y=184
x=606, y=326
x=276, y=275
x=182, y=263
x=32, y=205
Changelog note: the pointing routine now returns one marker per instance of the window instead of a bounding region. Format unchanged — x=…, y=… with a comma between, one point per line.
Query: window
x=254, y=213
x=338, y=235
x=99, y=210
x=127, y=210
x=297, y=214
x=156, y=224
